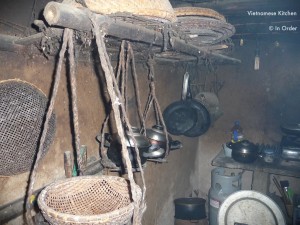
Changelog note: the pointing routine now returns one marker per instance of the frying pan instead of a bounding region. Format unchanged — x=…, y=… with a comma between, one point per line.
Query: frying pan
x=187, y=116
x=203, y=120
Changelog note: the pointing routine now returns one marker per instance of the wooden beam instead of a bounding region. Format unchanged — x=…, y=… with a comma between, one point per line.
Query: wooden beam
x=7, y=44
x=62, y=15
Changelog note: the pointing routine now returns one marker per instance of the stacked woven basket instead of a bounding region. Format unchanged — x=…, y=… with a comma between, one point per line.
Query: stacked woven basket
x=202, y=26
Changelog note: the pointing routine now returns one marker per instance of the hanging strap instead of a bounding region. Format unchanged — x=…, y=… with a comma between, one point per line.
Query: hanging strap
x=57, y=79
x=120, y=76
x=136, y=85
x=79, y=158
x=118, y=107
x=152, y=99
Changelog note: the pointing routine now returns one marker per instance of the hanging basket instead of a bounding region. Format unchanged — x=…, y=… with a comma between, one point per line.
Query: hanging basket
x=104, y=200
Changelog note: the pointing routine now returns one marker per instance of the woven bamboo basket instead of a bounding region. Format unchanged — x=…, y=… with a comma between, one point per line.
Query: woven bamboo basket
x=198, y=11
x=104, y=200
x=22, y=111
x=157, y=9
x=202, y=26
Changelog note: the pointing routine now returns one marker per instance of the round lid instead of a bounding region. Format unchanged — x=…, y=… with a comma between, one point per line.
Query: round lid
x=250, y=207
x=141, y=140
x=157, y=133
x=189, y=201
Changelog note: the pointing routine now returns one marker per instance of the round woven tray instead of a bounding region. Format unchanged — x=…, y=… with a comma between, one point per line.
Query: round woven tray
x=22, y=111
x=95, y=200
x=197, y=11
x=203, y=31
x=159, y=9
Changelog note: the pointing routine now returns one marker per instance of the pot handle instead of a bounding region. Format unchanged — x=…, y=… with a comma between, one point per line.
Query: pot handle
x=175, y=145
x=186, y=91
x=107, y=139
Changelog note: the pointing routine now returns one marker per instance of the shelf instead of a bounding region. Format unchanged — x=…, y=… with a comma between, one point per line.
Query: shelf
x=261, y=169
x=280, y=167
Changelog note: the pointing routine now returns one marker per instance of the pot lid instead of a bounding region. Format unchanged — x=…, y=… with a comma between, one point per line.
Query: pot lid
x=156, y=133
x=189, y=201
x=244, y=146
x=141, y=140
x=250, y=207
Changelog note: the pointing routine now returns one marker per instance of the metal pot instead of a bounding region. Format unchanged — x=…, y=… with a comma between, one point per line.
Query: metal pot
x=114, y=150
x=190, y=208
x=244, y=151
x=157, y=138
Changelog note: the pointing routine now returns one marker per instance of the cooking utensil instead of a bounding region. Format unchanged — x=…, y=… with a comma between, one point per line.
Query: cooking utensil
x=186, y=117
x=157, y=138
x=211, y=102
x=244, y=151
x=114, y=150
x=190, y=208
x=203, y=120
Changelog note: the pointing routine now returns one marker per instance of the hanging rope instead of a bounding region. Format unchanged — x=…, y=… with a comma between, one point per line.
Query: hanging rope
x=105, y=161
x=74, y=102
x=136, y=85
x=57, y=79
x=117, y=103
x=152, y=99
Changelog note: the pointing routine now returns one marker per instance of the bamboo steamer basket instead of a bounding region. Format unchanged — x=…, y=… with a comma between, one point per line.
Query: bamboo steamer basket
x=155, y=9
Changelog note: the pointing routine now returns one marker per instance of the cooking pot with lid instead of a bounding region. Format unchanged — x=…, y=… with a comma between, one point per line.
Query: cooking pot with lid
x=190, y=208
x=158, y=140
x=244, y=151
x=115, y=147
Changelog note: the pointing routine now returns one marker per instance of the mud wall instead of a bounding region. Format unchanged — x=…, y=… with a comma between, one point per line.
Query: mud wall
x=164, y=181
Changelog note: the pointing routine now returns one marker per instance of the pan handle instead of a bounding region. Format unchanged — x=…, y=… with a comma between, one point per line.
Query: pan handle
x=185, y=85
x=186, y=90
